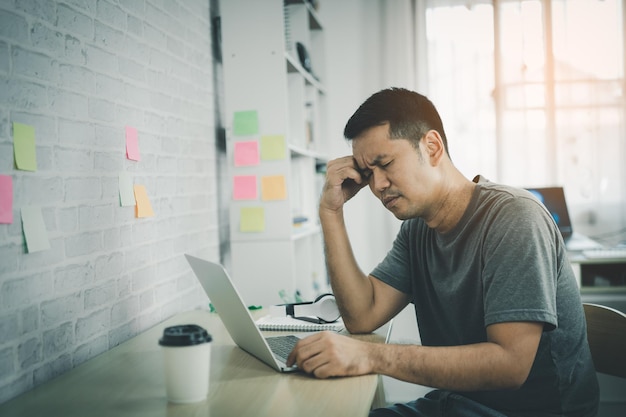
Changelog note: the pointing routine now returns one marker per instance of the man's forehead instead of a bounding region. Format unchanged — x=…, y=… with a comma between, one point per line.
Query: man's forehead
x=363, y=160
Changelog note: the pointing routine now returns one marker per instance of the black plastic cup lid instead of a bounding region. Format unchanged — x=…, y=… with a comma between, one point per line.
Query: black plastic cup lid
x=184, y=335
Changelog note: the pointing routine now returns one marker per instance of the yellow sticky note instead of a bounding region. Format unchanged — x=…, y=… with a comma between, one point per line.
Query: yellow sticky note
x=252, y=219
x=273, y=147
x=246, y=123
x=143, y=207
x=24, y=147
x=273, y=187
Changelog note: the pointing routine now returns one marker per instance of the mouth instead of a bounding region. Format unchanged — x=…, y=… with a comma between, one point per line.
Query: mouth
x=390, y=201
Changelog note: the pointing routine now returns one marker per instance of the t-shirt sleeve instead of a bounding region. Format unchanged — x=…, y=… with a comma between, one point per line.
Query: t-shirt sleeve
x=520, y=265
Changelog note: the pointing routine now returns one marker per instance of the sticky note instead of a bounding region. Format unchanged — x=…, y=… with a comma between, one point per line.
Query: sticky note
x=244, y=187
x=246, y=123
x=127, y=194
x=273, y=147
x=273, y=187
x=252, y=219
x=132, y=144
x=6, y=199
x=143, y=207
x=246, y=153
x=35, y=231
x=24, y=147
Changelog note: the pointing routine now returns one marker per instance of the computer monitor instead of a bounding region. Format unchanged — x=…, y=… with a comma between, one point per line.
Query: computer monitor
x=553, y=198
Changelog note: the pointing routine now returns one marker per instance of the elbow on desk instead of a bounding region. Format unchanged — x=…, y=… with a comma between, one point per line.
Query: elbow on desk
x=356, y=327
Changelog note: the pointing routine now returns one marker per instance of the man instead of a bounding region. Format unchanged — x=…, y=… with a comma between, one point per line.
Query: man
x=500, y=317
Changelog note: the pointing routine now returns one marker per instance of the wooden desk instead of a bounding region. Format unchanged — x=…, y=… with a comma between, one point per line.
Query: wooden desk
x=129, y=381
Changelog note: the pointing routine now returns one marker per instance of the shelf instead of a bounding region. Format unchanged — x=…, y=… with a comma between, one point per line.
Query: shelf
x=305, y=230
x=293, y=66
x=268, y=253
x=298, y=151
x=314, y=21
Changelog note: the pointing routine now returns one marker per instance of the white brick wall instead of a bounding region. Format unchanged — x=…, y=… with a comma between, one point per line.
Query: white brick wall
x=79, y=72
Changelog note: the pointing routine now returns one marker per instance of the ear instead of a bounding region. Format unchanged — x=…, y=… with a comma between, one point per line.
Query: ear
x=433, y=147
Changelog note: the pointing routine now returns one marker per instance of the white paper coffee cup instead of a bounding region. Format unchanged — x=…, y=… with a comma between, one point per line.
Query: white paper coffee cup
x=186, y=357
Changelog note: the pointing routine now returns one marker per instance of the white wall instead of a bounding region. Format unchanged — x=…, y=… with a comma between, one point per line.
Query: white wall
x=354, y=49
x=79, y=72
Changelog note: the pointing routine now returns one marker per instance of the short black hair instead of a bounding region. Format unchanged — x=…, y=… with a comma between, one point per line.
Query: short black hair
x=410, y=116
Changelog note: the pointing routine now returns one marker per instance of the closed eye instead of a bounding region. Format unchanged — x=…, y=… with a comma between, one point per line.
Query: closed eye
x=365, y=173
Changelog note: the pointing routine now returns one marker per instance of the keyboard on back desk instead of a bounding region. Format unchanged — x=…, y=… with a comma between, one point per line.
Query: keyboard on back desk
x=606, y=253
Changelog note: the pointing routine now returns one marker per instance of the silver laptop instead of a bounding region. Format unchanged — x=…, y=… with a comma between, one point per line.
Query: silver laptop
x=236, y=316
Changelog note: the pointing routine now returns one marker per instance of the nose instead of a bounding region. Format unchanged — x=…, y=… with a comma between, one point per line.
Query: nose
x=379, y=181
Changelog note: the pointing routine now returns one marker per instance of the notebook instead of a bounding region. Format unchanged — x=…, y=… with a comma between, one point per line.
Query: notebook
x=288, y=323
x=553, y=198
x=237, y=318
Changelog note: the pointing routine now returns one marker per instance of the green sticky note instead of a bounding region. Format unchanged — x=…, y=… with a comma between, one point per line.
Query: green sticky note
x=246, y=123
x=252, y=219
x=24, y=147
x=273, y=147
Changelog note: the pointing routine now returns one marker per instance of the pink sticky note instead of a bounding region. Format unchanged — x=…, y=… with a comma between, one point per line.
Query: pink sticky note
x=6, y=199
x=132, y=144
x=246, y=153
x=244, y=187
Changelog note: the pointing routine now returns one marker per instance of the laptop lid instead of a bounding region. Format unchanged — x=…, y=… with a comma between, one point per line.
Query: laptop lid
x=233, y=312
x=553, y=198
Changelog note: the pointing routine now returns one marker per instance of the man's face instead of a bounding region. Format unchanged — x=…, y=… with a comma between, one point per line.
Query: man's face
x=397, y=173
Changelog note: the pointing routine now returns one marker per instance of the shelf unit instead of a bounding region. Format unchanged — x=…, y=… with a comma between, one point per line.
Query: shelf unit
x=275, y=103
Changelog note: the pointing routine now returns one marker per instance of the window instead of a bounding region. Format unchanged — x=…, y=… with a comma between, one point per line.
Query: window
x=532, y=94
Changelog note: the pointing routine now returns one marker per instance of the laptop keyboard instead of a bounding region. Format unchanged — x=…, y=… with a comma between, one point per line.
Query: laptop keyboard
x=282, y=346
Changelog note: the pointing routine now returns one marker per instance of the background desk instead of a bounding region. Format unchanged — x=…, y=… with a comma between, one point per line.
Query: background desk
x=129, y=381
x=603, y=281
x=598, y=275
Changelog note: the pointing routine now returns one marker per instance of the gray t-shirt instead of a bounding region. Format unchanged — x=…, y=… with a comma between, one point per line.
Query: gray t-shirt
x=505, y=261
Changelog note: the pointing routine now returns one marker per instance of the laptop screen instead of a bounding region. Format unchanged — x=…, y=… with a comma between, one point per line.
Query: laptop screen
x=554, y=200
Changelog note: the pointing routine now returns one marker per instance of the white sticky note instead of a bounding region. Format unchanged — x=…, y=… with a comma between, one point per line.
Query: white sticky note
x=127, y=194
x=35, y=231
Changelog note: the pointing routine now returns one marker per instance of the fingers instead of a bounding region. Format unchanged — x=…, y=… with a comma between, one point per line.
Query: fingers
x=341, y=169
x=327, y=354
x=310, y=354
x=343, y=181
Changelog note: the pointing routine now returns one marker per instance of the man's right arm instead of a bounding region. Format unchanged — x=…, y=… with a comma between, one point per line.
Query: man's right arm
x=365, y=302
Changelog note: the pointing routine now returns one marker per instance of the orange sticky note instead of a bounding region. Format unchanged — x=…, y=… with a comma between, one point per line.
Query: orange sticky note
x=244, y=187
x=143, y=207
x=246, y=153
x=273, y=187
x=132, y=144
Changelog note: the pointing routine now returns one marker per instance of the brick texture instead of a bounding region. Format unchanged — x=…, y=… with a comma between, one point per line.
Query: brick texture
x=79, y=72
